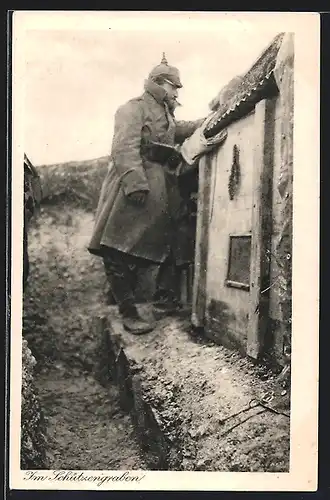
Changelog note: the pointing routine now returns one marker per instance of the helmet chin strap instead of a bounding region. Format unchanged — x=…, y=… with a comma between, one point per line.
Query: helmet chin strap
x=169, y=81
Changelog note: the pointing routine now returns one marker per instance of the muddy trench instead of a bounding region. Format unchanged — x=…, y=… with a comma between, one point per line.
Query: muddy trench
x=86, y=428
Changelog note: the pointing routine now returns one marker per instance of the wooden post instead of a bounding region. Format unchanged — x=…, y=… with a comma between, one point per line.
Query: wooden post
x=202, y=239
x=261, y=226
x=284, y=76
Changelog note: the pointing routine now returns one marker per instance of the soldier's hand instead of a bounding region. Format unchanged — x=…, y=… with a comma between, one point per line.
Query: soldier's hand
x=138, y=197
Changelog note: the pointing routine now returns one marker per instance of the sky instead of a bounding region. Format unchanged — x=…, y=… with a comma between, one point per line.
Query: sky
x=75, y=78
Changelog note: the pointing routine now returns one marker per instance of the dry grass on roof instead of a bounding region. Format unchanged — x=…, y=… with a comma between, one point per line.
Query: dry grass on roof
x=240, y=87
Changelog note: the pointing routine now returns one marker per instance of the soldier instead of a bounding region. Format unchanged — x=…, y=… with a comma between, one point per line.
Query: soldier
x=136, y=219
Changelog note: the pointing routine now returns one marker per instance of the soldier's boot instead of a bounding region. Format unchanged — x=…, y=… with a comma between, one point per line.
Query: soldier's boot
x=117, y=267
x=133, y=321
x=166, y=298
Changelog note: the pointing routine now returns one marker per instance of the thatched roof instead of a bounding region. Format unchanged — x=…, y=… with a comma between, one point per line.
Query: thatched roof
x=243, y=92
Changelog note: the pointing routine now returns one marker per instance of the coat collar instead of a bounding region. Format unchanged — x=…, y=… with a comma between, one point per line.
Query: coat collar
x=157, y=92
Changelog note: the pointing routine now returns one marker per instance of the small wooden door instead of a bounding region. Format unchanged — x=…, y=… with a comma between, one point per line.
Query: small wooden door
x=234, y=227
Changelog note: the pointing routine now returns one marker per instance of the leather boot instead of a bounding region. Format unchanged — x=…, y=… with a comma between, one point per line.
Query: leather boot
x=134, y=323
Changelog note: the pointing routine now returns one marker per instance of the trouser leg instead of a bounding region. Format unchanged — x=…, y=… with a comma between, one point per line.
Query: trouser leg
x=164, y=280
x=168, y=282
x=118, y=272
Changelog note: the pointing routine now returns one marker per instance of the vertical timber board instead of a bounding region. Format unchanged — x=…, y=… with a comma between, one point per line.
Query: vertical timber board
x=261, y=226
x=202, y=239
x=284, y=76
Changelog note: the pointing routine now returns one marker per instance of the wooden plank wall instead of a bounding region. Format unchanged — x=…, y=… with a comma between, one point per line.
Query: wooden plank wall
x=202, y=238
x=227, y=307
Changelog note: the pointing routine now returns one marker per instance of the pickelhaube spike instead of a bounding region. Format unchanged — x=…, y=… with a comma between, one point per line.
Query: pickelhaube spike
x=164, y=60
x=166, y=71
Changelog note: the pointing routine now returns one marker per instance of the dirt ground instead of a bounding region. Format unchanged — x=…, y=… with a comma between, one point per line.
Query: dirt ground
x=87, y=429
x=201, y=384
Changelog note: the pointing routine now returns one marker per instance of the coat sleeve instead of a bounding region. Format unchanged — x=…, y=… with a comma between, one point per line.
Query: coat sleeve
x=185, y=129
x=126, y=147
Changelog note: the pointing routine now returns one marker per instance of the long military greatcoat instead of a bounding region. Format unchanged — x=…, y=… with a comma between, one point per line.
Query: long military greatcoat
x=151, y=230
